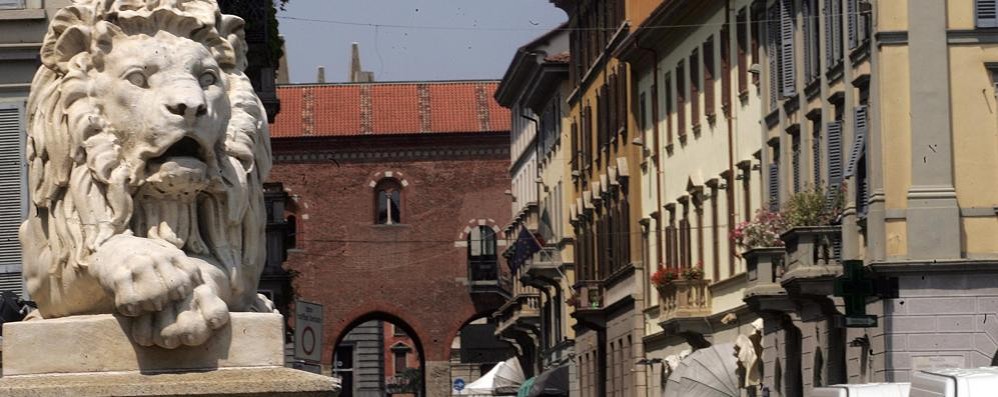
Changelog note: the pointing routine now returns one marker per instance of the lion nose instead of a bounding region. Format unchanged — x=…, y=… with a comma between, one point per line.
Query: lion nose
x=189, y=108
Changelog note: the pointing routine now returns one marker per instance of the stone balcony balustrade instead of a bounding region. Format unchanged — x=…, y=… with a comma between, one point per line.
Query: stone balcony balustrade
x=684, y=299
x=523, y=309
x=812, y=259
x=544, y=265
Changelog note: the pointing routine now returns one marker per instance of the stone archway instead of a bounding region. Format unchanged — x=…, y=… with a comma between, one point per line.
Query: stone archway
x=367, y=353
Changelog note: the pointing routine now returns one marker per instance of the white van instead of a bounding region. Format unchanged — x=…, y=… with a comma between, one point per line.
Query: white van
x=863, y=390
x=955, y=382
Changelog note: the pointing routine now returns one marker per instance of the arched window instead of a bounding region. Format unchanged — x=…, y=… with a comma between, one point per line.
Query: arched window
x=482, y=254
x=388, y=202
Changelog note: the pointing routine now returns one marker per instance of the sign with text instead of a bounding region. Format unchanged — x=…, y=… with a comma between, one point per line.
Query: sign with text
x=308, y=331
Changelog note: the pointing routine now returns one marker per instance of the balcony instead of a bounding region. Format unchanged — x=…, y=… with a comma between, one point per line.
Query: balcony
x=812, y=259
x=484, y=277
x=684, y=307
x=522, y=310
x=589, y=304
x=684, y=299
x=763, y=291
x=544, y=265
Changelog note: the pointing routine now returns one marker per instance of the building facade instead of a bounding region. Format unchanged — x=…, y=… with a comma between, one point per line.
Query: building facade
x=535, y=88
x=696, y=111
x=393, y=190
x=603, y=199
x=879, y=105
x=23, y=24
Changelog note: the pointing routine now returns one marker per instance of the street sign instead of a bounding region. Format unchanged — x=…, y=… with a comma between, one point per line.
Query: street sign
x=458, y=384
x=308, y=331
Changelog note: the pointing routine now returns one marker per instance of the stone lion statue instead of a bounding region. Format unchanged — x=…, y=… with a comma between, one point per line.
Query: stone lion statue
x=147, y=149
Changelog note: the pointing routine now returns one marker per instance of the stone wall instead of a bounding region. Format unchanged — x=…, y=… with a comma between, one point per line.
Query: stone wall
x=939, y=320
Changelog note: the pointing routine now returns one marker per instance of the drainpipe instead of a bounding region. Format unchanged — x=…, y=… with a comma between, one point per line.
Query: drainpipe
x=657, y=232
x=730, y=191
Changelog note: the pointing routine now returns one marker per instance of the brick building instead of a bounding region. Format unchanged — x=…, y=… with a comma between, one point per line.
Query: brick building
x=388, y=183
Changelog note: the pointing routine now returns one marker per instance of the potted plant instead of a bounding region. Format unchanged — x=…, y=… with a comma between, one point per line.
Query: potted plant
x=812, y=232
x=693, y=273
x=663, y=276
x=761, y=232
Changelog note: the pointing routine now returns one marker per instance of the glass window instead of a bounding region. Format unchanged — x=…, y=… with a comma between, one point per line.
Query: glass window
x=388, y=202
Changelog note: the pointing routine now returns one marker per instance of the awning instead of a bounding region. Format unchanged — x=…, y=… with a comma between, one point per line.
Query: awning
x=708, y=372
x=504, y=378
x=525, y=388
x=553, y=382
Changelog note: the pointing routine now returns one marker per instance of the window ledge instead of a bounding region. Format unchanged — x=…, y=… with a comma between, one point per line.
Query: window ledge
x=22, y=14
x=393, y=225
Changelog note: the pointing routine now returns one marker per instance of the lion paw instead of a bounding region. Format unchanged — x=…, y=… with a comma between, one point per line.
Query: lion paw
x=187, y=322
x=145, y=275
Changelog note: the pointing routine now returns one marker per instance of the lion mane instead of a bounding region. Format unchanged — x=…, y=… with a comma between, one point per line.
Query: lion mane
x=73, y=152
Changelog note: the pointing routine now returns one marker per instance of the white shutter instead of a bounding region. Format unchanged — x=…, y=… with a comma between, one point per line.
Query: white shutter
x=11, y=195
x=860, y=127
x=787, y=64
x=986, y=12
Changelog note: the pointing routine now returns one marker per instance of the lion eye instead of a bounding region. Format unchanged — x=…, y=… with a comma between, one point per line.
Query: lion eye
x=137, y=78
x=207, y=79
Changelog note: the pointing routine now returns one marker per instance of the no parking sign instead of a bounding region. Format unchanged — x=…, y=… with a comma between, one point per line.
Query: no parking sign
x=308, y=331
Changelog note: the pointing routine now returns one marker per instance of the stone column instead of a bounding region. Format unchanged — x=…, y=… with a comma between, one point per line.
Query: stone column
x=933, y=216
x=438, y=382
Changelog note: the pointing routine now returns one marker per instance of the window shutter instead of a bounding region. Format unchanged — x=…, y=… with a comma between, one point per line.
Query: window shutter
x=787, y=63
x=774, y=187
x=852, y=13
x=987, y=13
x=829, y=43
x=837, y=30
x=796, y=163
x=11, y=193
x=816, y=154
x=809, y=42
x=860, y=126
x=834, y=160
x=772, y=41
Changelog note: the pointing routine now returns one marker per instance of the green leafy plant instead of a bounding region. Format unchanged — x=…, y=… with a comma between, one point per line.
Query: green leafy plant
x=812, y=208
x=694, y=273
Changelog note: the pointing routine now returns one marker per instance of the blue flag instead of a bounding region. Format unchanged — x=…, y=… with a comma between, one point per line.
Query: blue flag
x=524, y=248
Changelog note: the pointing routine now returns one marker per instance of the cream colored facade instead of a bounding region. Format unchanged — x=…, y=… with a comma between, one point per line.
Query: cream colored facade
x=535, y=318
x=697, y=174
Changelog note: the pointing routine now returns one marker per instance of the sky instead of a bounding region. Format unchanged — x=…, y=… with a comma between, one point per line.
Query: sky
x=480, y=43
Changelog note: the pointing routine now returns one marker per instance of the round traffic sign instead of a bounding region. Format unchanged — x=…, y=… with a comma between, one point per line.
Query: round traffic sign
x=308, y=340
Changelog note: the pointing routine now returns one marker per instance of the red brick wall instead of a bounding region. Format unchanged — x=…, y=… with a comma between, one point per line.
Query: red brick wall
x=411, y=272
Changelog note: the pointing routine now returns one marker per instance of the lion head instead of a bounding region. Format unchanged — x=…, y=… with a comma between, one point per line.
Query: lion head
x=142, y=122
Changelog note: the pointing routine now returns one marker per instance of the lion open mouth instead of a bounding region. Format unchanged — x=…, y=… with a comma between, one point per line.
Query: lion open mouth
x=185, y=147
x=180, y=171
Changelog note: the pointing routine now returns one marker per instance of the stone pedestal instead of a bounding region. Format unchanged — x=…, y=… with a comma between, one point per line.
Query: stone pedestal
x=94, y=356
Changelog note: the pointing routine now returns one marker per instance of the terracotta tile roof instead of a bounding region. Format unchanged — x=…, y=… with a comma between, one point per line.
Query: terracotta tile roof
x=389, y=109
